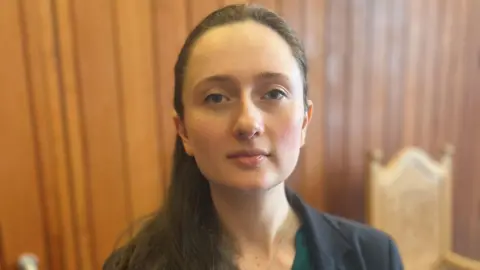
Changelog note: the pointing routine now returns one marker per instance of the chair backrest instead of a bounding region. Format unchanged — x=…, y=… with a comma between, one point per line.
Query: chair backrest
x=456, y=261
x=410, y=199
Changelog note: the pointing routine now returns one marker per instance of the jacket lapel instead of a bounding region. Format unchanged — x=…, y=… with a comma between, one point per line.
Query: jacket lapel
x=328, y=246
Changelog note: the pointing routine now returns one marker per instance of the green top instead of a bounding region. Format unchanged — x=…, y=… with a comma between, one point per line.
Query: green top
x=302, y=256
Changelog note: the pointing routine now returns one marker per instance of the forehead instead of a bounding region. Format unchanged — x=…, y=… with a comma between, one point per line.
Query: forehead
x=242, y=50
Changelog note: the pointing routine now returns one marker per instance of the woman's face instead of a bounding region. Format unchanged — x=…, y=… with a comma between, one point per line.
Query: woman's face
x=244, y=116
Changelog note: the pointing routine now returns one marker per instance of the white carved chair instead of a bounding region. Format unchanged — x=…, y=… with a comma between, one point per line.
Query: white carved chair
x=410, y=199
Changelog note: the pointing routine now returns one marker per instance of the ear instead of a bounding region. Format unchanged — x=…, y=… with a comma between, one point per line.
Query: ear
x=182, y=133
x=306, y=120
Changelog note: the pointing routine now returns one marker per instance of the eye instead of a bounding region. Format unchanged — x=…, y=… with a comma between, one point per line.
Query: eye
x=215, y=98
x=276, y=94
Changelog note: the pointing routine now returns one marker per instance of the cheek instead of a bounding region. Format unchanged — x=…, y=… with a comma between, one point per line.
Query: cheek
x=289, y=135
x=204, y=134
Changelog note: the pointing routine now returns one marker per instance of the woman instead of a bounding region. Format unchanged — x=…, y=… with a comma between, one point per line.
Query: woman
x=242, y=116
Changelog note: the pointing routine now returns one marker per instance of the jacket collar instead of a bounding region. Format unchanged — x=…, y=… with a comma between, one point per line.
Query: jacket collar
x=327, y=245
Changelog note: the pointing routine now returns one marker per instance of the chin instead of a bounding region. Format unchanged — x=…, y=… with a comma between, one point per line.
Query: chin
x=250, y=185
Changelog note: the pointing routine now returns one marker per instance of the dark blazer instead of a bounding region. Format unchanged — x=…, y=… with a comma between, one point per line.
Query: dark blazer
x=341, y=244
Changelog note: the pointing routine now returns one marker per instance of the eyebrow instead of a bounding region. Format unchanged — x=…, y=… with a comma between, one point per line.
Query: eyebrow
x=217, y=78
x=224, y=78
x=271, y=75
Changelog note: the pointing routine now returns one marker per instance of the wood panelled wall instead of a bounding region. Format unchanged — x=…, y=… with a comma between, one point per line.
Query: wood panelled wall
x=86, y=110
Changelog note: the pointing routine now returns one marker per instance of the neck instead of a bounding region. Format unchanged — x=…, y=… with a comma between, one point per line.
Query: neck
x=254, y=218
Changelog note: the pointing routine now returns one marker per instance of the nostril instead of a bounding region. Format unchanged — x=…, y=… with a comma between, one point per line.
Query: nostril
x=247, y=129
x=246, y=135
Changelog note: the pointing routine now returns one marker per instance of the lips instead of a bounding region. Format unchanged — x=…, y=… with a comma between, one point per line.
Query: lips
x=251, y=158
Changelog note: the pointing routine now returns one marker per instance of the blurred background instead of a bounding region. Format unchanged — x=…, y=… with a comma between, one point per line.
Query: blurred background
x=86, y=130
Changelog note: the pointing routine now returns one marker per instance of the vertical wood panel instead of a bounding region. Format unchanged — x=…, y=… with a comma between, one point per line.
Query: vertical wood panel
x=457, y=74
x=101, y=109
x=457, y=115
x=461, y=167
x=470, y=80
x=445, y=32
x=3, y=259
x=474, y=71
x=21, y=208
x=438, y=25
x=32, y=41
x=335, y=93
x=475, y=190
x=474, y=99
x=430, y=60
x=360, y=52
x=231, y=2
x=464, y=187
x=168, y=39
x=270, y=4
x=397, y=61
x=75, y=148
x=414, y=38
x=313, y=182
x=377, y=91
x=294, y=14
x=141, y=129
x=420, y=62
x=197, y=10
x=379, y=76
x=48, y=115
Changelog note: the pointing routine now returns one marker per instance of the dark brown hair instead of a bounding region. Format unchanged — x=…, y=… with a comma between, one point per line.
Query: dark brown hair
x=185, y=233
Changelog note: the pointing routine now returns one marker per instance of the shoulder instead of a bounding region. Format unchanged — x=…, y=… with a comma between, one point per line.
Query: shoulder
x=374, y=246
x=333, y=237
x=358, y=233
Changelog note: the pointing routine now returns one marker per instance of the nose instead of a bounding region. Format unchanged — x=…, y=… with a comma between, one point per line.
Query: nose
x=249, y=122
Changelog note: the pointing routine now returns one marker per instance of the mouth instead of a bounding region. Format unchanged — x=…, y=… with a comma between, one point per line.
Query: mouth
x=251, y=158
x=248, y=153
